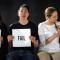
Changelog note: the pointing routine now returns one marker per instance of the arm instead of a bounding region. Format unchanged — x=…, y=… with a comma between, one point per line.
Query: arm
x=1, y=38
x=34, y=41
x=10, y=38
x=34, y=37
x=50, y=39
x=43, y=38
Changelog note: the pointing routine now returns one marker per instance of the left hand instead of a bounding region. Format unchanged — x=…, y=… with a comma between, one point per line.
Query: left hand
x=33, y=40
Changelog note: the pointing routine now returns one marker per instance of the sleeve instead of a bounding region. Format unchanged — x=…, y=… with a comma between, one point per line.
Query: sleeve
x=35, y=31
x=4, y=34
x=10, y=29
x=41, y=33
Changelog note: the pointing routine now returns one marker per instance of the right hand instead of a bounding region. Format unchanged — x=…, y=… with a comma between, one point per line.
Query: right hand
x=10, y=38
x=57, y=33
x=1, y=38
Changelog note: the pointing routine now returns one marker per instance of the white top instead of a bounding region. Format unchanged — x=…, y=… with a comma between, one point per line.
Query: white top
x=45, y=31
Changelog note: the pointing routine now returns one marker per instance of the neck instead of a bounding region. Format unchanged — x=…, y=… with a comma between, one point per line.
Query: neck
x=49, y=22
x=23, y=21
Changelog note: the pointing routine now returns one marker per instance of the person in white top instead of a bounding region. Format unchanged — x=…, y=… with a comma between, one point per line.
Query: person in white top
x=49, y=35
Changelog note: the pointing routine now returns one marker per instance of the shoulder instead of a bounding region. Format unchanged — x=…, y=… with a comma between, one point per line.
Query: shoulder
x=33, y=24
x=41, y=25
x=30, y=22
x=13, y=24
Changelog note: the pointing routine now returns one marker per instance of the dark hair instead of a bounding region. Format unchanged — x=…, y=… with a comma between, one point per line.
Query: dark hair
x=25, y=6
x=49, y=11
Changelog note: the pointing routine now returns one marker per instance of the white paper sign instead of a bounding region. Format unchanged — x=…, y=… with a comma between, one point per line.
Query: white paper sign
x=0, y=35
x=21, y=37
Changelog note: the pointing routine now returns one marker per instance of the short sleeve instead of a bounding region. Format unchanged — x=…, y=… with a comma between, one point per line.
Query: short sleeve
x=41, y=33
x=10, y=29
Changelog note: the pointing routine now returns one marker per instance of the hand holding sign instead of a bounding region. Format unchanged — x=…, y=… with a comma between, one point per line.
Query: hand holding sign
x=10, y=38
x=34, y=41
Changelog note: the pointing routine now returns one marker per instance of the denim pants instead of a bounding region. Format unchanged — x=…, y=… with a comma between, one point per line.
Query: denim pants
x=21, y=55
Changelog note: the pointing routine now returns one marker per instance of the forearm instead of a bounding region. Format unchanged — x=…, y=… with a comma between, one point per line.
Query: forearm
x=35, y=43
x=10, y=38
x=50, y=39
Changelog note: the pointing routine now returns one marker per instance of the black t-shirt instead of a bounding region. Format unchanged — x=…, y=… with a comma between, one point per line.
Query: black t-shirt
x=29, y=25
x=4, y=33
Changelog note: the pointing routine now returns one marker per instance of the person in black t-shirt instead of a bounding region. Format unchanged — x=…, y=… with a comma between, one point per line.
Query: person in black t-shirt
x=3, y=40
x=24, y=53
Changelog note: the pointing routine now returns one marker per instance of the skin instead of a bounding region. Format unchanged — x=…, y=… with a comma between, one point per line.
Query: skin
x=50, y=21
x=1, y=38
x=23, y=15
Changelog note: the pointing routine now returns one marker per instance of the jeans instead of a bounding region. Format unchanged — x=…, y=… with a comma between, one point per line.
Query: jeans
x=21, y=55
